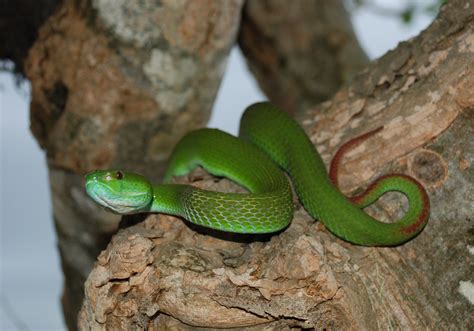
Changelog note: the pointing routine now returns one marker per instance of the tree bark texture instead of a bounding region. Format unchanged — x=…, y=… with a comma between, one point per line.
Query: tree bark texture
x=116, y=84
x=165, y=273
x=300, y=52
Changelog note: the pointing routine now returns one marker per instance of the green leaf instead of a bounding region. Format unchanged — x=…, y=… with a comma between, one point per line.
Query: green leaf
x=407, y=15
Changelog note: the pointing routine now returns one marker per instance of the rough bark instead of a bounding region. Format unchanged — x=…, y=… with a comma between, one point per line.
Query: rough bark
x=116, y=84
x=300, y=52
x=166, y=273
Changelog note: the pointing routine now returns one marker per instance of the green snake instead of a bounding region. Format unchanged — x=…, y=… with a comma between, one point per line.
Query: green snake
x=269, y=140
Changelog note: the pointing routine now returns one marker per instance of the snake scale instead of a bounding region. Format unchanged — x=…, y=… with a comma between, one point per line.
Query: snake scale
x=269, y=141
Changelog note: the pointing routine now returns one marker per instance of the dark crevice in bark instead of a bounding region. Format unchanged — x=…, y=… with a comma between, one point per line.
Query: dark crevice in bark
x=19, y=24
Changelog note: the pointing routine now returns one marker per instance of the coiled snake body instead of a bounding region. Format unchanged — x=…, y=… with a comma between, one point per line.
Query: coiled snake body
x=269, y=140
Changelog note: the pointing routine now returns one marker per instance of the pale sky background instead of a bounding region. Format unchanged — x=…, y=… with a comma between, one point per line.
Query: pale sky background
x=31, y=279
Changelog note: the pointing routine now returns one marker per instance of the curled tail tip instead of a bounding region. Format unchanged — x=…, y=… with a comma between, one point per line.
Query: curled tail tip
x=336, y=160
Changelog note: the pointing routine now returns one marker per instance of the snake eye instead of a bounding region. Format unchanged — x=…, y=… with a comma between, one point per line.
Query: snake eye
x=119, y=175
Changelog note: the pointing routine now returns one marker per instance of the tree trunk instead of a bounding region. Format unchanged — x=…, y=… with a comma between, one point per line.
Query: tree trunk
x=116, y=85
x=166, y=273
x=300, y=51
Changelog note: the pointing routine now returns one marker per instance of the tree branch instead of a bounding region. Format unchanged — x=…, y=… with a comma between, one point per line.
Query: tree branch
x=304, y=276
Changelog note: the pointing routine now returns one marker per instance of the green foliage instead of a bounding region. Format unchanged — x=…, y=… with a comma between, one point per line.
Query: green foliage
x=407, y=14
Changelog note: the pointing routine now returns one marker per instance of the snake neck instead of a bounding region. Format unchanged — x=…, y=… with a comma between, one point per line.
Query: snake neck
x=167, y=199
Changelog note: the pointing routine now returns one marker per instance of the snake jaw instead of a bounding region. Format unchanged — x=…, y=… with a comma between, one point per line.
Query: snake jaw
x=95, y=190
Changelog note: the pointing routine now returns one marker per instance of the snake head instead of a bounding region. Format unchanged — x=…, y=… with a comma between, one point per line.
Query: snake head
x=120, y=191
